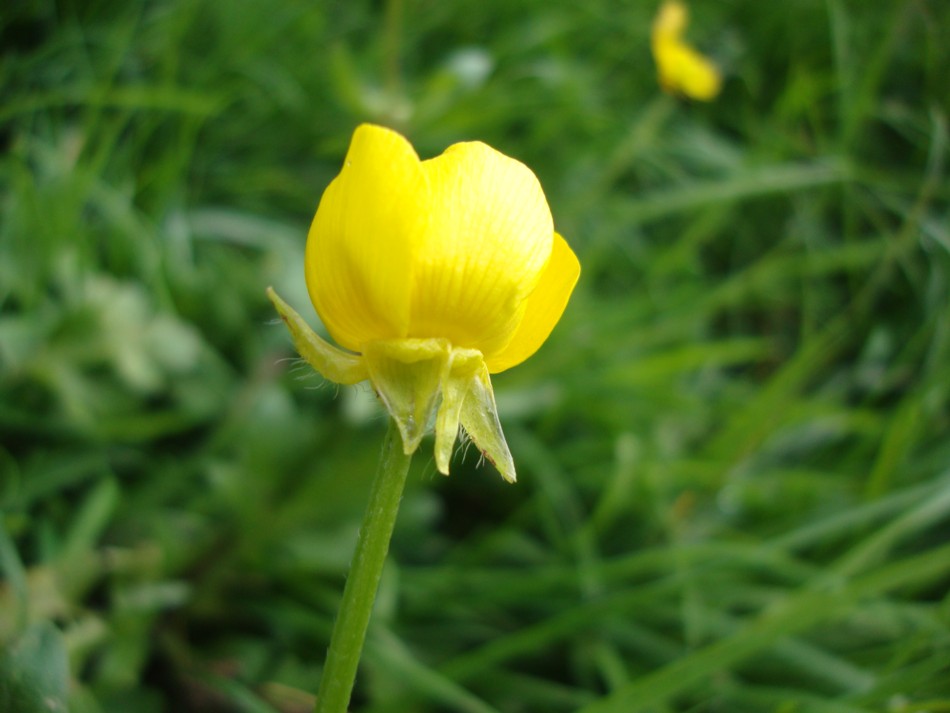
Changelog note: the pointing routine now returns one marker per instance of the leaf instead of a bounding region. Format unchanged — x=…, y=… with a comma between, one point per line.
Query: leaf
x=34, y=672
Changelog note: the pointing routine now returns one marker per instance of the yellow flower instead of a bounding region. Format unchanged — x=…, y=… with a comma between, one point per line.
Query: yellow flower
x=432, y=275
x=682, y=70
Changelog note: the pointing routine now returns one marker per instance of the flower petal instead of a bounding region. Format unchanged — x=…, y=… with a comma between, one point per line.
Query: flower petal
x=488, y=238
x=360, y=248
x=544, y=307
x=670, y=22
x=682, y=69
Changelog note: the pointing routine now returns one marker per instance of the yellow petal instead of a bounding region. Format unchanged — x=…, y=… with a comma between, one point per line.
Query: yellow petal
x=684, y=70
x=487, y=240
x=670, y=20
x=543, y=309
x=360, y=247
x=681, y=69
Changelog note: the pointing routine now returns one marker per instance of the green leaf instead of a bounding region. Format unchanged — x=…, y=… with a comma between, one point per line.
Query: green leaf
x=34, y=672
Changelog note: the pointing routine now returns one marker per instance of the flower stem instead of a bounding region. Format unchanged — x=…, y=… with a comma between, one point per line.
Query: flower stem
x=346, y=642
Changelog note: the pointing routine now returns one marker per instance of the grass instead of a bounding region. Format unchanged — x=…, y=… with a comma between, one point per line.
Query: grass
x=733, y=453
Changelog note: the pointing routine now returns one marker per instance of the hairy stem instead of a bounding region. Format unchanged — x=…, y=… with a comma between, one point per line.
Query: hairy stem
x=349, y=631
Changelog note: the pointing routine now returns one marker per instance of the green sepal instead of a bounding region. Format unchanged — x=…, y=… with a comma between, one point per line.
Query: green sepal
x=479, y=418
x=462, y=366
x=334, y=364
x=408, y=375
x=415, y=379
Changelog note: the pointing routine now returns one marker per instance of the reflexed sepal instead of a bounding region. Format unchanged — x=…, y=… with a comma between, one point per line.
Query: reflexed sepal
x=463, y=365
x=334, y=364
x=479, y=418
x=408, y=375
x=415, y=379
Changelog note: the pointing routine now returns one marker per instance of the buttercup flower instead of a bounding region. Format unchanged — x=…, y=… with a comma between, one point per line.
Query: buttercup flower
x=682, y=70
x=432, y=275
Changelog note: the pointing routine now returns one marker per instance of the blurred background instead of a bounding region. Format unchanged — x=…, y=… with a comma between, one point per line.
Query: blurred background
x=733, y=452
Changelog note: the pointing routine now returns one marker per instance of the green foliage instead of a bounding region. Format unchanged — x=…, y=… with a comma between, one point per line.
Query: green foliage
x=733, y=454
x=34, y=672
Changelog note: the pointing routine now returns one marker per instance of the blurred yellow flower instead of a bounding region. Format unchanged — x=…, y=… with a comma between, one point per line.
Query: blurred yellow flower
x=432, y=274
x=682, y=70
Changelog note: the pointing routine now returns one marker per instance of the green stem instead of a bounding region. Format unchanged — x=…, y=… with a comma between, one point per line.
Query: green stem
x=346, y=642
